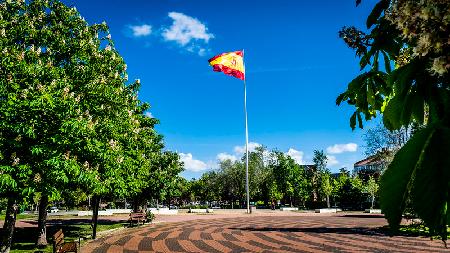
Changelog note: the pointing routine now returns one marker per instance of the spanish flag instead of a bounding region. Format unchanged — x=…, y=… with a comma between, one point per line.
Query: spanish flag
x=231, y=64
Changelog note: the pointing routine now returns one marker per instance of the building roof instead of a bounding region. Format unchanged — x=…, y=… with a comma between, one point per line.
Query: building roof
x=371, y=160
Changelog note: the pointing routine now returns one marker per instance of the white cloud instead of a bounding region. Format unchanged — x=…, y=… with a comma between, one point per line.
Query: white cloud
x=202, y=52
x=251, y=147
x=192, y=164
x=296, y=155
x=141, y=30
x=341, y=148
x=224, y=156
x=149, y=114
x=185, y=29
x=331, y=160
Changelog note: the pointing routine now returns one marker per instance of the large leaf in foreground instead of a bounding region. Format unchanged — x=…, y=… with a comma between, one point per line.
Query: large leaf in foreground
x=430, y=191
x=396, y=180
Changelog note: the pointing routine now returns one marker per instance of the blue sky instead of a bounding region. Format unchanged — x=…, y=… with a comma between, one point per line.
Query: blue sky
x=296, y=65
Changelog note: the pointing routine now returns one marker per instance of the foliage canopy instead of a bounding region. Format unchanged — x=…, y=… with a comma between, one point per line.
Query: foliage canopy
x=69, y=118
x=405, y=61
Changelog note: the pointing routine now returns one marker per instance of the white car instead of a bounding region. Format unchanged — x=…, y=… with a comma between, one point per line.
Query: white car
x=53, y=209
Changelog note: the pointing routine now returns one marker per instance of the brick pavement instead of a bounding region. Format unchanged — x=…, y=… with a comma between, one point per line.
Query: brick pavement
x=256, y=233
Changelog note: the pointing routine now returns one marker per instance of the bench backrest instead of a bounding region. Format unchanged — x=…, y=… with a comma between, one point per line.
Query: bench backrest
x=58, y=240
x=137, y=215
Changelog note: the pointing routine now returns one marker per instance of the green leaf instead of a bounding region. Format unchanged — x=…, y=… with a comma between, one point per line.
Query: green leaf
x=356, y=83
x=341, y=97
x=430, y=192
x=387, y=62
x=402, y=78
x=418, y=110
x=375, y=60
x=370, y=94
x=376, y=13
x=395, y=182
x=392, y=114
x=365, y=59
x=401, y=110
x=360, y=122
x=408, y=104
x=353, y=121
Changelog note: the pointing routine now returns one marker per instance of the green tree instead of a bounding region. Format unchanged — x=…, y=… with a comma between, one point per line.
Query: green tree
x=290, y=178
x=161, y=180
x=302, y=186
x=274, y=193
x=411, y=87
x=350, y=194
x=186, y=195
x=233, y=183
x=300, y=183
x=327, y=186
x=124, y=155
x=320, y=164
x=282, y=174
x=338, y=184
x=35, y=74
x=71, y=119
x=371, y=188
x=210, y=186
x=320, y=160
x=257, y=171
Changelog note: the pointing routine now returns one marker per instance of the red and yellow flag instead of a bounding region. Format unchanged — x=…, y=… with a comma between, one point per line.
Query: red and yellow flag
x=231, y=64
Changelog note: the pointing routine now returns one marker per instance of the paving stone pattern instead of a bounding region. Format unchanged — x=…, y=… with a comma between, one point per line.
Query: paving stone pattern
x=349, y=233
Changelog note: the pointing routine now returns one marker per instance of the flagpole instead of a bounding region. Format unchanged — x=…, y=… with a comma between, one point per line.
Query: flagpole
x=246, y=140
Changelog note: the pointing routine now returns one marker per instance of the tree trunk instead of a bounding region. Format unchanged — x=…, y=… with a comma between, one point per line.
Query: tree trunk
x=373, y=200
x=135, y=204
x=42, y=222
x=328, y=201
x=8, y=226
x=95, y=206
x=314, y=185
x=232, y=206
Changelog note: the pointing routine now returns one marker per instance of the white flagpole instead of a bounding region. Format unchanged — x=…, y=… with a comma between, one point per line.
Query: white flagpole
x=246, y=139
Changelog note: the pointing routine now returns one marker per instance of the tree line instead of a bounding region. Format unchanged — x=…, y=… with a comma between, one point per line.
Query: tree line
x=276, y=177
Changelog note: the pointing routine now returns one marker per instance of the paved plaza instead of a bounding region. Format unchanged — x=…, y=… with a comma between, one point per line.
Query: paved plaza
x=262, y=233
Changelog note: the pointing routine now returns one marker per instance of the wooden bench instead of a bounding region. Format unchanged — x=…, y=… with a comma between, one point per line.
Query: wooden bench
x=59, y=246
x=140, y=216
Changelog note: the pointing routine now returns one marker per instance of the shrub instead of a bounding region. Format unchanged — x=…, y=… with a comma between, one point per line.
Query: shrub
x=150, y=216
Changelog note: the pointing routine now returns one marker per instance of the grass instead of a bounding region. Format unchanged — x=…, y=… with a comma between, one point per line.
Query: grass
x=414, y=230
x=73, y=230
x=20, y=216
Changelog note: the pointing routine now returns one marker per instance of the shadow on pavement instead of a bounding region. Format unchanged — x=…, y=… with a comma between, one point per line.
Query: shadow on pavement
x=364, y=216
x=354, y=230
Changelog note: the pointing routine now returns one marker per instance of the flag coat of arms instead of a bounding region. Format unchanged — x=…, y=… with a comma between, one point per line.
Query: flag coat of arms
x=231, y=64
